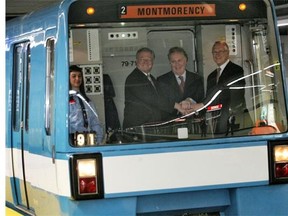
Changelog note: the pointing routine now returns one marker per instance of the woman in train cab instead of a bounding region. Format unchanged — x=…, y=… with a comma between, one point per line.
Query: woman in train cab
x=82, y=113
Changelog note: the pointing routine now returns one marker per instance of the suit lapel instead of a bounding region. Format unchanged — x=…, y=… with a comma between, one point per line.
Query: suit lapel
x=225, y=73
x=189, y=80
x=173, y=82
x=143, y=79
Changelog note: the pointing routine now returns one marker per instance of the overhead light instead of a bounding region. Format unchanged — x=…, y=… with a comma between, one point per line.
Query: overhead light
x=242, y=6
x=90, y=10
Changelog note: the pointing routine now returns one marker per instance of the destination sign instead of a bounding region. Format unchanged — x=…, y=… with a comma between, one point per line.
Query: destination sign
x=167, y=11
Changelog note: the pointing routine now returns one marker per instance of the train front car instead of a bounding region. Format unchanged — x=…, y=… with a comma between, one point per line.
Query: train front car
x=87, y=132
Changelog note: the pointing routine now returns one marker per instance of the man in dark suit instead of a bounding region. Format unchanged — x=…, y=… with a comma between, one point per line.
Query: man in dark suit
x=179, y=84
x=141, y=97
x=226, y=75
x=143, y=103
x=231, y=100
x=111, y=114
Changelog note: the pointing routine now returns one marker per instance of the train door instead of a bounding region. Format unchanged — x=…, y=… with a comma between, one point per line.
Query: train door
x=162, y=40
x=20, y=124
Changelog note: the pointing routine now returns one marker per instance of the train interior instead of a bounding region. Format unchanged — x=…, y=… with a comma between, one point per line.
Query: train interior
x=107, y=51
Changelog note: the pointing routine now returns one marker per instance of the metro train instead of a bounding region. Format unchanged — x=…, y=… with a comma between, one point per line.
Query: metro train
x=156, y=168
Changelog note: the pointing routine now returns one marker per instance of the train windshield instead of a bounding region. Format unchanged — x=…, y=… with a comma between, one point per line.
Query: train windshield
x=133, y=57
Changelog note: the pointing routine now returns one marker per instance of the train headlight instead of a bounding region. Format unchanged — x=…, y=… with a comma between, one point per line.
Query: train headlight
x=281, y=159
x=86, y=176
x=281, y=153
x=87, y=180
x=278, y=156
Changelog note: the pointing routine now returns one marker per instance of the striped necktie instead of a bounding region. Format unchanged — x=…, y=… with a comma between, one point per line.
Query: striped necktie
x=151, y=81
x=218, y=74
x=182, y=84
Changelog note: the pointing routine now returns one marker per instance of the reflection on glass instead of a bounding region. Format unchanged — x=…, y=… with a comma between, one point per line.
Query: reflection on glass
x=262, y=115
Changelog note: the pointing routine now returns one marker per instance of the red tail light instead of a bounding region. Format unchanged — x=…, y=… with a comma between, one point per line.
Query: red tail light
x=281, y=170
x=278, y=156
x=87, y=185
x=86, y=176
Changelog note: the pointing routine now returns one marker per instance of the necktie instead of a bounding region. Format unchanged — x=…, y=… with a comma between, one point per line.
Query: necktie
x=151, y=81
x=218, y=74
x=182, y=84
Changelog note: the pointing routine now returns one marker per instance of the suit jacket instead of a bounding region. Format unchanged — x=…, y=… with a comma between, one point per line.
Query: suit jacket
x=170, y=91
x=111, y=113
x=141, y=100
x=230, y=99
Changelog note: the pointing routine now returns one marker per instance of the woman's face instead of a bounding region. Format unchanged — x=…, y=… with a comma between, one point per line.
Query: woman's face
x=75, y=80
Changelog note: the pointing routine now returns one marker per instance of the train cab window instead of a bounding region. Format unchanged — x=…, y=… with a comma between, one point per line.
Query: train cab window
x=102, y=44
x=49, y=96
x=21, y=88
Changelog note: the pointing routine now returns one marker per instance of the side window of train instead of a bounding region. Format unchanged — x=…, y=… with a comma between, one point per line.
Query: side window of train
x=49, y=94
x=28, y=69
x=21, y=86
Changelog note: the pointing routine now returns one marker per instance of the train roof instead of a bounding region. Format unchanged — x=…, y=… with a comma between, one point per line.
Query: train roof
x=45, y=18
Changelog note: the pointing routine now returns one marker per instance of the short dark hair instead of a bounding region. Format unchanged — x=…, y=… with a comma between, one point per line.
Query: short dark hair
x=177, y=50
x=75, y=68
x=145, y=49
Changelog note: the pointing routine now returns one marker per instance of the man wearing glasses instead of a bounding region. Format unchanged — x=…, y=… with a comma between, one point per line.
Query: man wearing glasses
x=225, y=73
x=219, y=92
